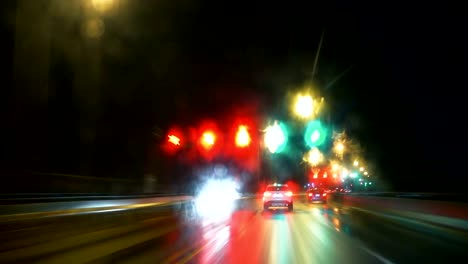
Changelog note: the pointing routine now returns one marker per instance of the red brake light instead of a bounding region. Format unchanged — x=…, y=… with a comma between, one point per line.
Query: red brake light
x=324, y=194
x=289, y=193
x=310, y=194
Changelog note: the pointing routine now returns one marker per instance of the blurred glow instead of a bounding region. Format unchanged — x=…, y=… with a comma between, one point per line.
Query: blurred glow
x=365, y=173
x=208, y=139
x=339, y=148
x=344, y=173
x=335, y=167
x=336, y=223
x=356, y=163
x=325, y=175
x=93, y=28
x=361, y=169
x=103, y=5
x=216, y=199
x=304, y=106
x=353, y=175
x=370, y=183
x=275, y=138
x=334, y=175
x=314, y=156
x=174, y=140
x=242, y=137
x=315, y=134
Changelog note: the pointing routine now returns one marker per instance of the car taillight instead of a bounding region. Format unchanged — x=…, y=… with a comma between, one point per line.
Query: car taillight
x=310, y=194
x=324, y=194
x=266, y=194
x=288, y=193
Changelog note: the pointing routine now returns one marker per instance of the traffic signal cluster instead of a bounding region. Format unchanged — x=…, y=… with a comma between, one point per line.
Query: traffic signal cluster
x=210, y=141
x=276, y=136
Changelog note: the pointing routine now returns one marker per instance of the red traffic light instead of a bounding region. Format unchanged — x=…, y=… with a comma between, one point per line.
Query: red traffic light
x=243, y=138
x=174, y=140
x=208, y=139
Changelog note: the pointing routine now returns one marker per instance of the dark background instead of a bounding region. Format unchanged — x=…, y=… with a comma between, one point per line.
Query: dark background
x=392, y=73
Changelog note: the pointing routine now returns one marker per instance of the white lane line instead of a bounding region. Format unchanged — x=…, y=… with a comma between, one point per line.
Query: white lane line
x=376, y=255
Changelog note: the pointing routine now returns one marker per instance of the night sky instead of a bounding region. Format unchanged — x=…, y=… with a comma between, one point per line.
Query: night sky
x=399, y=92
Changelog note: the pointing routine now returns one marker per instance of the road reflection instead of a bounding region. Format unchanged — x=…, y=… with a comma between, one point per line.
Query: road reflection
x=309, y=234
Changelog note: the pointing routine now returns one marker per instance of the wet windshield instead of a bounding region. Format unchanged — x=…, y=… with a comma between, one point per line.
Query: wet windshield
x=181, y=131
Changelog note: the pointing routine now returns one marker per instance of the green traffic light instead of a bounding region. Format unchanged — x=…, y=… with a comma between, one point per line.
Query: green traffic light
x=315, y=134
x=276, y=137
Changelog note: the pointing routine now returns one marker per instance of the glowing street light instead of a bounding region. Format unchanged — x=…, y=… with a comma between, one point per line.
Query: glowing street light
x=314, y=156
x=356, y=163
x=103, y=5
x=361, y=168
x=304, y=106
x=339, y=149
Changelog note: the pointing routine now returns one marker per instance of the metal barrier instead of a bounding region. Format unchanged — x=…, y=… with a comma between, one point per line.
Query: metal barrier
x=419, y=206
x=15, y=212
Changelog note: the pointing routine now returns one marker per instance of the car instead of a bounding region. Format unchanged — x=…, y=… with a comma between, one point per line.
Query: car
x=277, y=196
x=316, y=195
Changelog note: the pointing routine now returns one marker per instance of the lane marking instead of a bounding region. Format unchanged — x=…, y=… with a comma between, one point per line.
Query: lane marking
x=376, y=255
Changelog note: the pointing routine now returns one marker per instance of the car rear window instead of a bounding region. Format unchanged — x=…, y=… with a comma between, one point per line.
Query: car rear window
x=277, y=188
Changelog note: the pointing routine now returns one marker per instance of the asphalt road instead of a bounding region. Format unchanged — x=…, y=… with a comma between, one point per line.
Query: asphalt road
x=312, y=233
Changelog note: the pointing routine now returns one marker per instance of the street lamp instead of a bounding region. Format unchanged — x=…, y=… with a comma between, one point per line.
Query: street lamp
x=339, y=149
x=314, y=156
x=304, y=106
x=356, y=163
x=103, y=5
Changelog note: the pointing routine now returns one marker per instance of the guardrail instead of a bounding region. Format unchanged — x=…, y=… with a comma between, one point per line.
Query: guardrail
x=455, y=197
x=440, y=209
x=59, y=197
x=12, y=212
x=30, y=206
